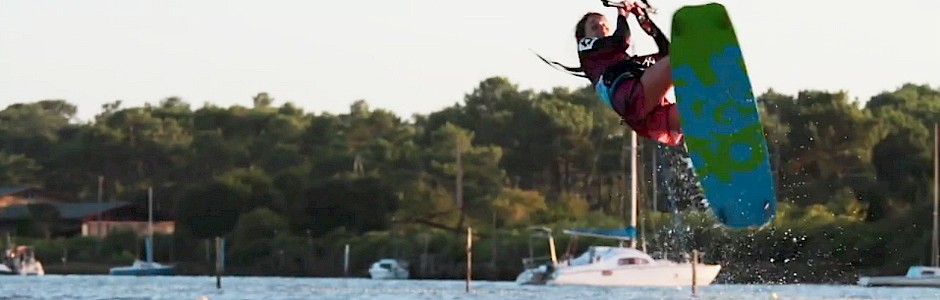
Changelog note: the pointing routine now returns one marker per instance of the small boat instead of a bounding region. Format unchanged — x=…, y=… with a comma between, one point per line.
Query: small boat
x=917, y=276
x=388, y=268
x=21, y=260
x=143, y=268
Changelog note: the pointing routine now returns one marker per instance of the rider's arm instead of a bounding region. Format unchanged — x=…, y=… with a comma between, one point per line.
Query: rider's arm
x=662, y=43
x=623, y=30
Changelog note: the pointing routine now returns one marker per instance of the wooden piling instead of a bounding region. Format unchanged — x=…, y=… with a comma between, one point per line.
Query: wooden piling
x=694, y=275
x=219, y=261
x=346, y=261
x=469, y=257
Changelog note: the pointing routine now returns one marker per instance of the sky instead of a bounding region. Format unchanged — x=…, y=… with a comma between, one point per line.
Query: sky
x=416, y=56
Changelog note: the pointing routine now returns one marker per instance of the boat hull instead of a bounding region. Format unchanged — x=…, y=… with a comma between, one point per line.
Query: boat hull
x=917, y=276
x=143, y=272
x=643, y=275
x=140, y=268
x=534, y=276
x=386, y=274
x=899, y=281
x=389, y=269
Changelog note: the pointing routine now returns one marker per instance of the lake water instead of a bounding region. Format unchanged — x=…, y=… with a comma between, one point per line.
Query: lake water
x=274, y=288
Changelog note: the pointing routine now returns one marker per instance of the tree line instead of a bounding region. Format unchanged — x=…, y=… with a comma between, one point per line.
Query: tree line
x=276, y=177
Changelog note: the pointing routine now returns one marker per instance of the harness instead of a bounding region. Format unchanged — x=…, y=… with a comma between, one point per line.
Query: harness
x=613, y=76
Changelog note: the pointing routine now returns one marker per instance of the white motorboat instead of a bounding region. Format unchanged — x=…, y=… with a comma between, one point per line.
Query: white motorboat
x=21, y=261
x=388, y=268
x=917, y=276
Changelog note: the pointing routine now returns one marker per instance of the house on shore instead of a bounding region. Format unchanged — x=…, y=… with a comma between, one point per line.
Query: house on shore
x=29, y=210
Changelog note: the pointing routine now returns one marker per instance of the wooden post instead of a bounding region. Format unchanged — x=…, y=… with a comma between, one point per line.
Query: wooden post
x=694, y=275
x=469, y=257
x=346, y=261
x=219, y=261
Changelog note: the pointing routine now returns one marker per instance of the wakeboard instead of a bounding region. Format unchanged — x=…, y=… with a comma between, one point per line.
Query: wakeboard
x=720, y=118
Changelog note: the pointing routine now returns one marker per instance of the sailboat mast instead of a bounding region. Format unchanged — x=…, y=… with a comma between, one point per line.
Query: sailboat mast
x=935, y=241
x=150, y=212
x=633, y=185
x=149, y=242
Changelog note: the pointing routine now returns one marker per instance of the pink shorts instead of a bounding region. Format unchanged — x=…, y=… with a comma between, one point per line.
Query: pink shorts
x=650, y=122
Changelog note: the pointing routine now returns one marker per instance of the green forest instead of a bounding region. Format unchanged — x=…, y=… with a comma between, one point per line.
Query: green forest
x=288, y=189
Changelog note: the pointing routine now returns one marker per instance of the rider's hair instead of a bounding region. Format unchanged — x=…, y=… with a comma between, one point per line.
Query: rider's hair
x=579, y=29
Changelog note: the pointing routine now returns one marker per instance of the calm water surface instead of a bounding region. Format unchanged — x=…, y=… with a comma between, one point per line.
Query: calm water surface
x=274, y=288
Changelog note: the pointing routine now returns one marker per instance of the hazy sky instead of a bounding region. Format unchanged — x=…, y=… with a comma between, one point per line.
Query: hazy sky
x=415, y=56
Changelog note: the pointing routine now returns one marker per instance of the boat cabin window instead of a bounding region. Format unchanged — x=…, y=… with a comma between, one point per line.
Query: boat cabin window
x=385, y=266
x=632, y=261
x=928, y=272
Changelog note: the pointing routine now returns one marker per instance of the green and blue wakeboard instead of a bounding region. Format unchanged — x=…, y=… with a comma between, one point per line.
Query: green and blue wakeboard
x=720, y=120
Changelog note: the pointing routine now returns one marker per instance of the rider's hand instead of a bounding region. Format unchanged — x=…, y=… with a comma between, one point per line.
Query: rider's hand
x=623, y=11
x=628, y=7
x=636, y=8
